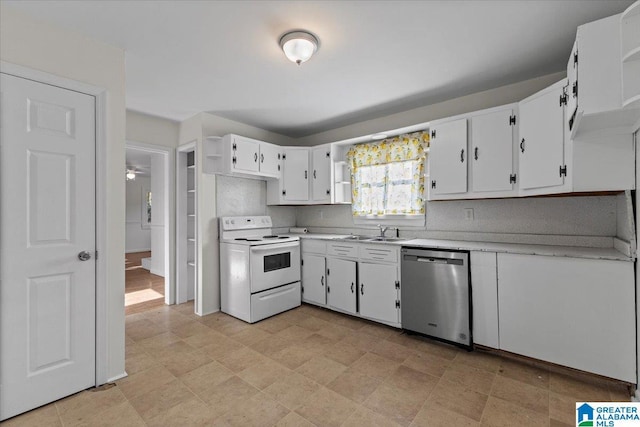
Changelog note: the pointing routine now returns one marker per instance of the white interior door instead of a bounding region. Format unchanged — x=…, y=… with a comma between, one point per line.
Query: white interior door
x=47, y=218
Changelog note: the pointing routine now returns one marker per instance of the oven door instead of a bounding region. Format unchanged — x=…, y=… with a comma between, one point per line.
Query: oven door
x=274, y=265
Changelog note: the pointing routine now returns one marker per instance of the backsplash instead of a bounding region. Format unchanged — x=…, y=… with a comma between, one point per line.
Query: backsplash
x=242, y=196
x=576, y=221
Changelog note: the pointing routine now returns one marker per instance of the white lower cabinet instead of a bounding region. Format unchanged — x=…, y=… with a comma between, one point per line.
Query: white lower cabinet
x=314, y=288
x=574, y=312
x=378, y=292
x=341, y=285
x=484, y=296
x=355, y=278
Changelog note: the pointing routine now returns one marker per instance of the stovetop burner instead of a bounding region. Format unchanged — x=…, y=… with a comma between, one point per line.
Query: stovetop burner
x=273, y=236
x=246, y=239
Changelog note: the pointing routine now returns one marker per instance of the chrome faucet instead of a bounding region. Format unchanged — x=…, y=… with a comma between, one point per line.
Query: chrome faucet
x=382, y=230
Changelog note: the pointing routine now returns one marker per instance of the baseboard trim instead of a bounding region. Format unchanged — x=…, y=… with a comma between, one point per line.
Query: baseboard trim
x=117, y=377
x=133, y=251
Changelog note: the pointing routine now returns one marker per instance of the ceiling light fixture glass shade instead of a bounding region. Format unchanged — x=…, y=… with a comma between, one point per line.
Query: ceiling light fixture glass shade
x=131, y=175
x=299, y=46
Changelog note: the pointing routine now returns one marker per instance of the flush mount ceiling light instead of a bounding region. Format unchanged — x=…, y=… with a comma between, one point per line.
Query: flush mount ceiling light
x=131, y=175
x=299, y=46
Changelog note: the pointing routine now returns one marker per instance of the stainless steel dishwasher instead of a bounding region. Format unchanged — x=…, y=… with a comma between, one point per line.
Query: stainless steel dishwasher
x=435, y=294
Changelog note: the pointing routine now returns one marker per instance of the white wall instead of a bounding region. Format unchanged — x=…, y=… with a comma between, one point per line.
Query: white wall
x=137, y=238
x=41, y=46
x=152, y=130
x=157, y=214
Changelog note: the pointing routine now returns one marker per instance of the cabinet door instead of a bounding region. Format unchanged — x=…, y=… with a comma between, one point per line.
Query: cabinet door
x=448, y=158
x=321, y=175
x=570, y=311
x=484, y=297
x=572, y=88
x=270, y=155
x=378, y=292
x=341, y=284
x=245, y=152
x=491, y=153
x=541, y=146
x=313, y=279
x=296, y=175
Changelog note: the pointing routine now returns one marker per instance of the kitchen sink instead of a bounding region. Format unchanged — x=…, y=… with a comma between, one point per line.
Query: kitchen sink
x=385, y=239
x=354, y=237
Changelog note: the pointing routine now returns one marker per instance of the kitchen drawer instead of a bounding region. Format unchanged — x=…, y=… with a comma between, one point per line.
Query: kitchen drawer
x=312, y=246
x=380, y=252
x=342, y=250
x=273, y=301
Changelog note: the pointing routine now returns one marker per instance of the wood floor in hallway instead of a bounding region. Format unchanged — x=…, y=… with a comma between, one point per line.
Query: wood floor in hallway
x=143, y=290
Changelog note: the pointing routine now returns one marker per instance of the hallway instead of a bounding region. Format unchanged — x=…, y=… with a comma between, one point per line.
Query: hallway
x=143, y=290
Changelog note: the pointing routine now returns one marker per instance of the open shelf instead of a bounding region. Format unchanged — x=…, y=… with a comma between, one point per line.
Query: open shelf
x=343, y=182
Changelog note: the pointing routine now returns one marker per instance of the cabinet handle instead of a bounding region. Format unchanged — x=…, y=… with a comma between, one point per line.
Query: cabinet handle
x=522, y=145
x=255, y=157
x=305, y=174
x=362, y=288
x=261, y=158
x=475, y=153
x=462, y=156
x=351, y=287
x=314, y=174
x=321, y=280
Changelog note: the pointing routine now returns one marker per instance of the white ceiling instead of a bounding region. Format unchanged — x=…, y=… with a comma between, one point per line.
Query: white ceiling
x=376, y=57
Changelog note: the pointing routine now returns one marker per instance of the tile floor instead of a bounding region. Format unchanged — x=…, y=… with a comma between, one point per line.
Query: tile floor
x=311, y=366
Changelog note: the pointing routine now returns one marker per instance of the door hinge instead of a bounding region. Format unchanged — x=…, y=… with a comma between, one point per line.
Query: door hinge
x=328, y=191
x=284, y=192
x=234, y=147
x=397, y=303
x=512, y=120
x=575, y=59
x=574, y=90
x=512, y=178
x=563, y=99
x=433, y=134
x=328, y=154
x=397, y=284
x=433, y=184
x=563, y=171
x=233, y=160
x=302, y=289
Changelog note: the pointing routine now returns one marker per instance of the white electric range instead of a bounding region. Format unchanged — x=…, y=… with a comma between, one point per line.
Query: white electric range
x=259, y=271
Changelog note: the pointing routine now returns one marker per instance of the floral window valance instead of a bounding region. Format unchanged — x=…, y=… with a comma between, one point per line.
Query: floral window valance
x=387, y=177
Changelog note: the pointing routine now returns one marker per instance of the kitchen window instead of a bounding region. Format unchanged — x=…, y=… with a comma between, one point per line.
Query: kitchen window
x=387, y=178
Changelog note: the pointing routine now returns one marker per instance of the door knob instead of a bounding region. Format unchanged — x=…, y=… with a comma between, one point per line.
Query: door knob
x=84, y=256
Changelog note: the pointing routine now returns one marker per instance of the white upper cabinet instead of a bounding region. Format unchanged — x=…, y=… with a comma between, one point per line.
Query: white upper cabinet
x=295, y=175
x=270, y=159
x=321, y=174
x=630, y=42
x=448, y=158
x=306, y=177
x=541, y=145
x=242, y=156
x=595, y=71
x=491, y=151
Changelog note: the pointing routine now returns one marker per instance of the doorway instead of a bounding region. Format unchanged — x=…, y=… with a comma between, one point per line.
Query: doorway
x=148, y=242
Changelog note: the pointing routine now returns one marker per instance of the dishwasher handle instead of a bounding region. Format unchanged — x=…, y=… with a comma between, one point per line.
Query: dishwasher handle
x=433, y=260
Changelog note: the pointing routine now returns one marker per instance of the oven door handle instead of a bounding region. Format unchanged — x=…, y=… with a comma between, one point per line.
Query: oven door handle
x=275, y=246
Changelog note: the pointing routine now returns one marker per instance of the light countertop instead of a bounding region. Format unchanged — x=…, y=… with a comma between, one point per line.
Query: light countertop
x=512, y=248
